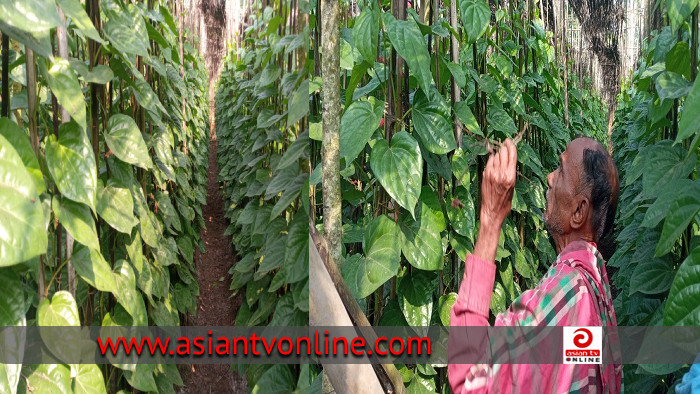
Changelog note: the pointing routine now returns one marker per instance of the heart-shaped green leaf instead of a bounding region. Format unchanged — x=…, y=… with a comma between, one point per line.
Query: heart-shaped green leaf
x=421, y=242
x=365, y=33
x=356, y=127
x=93, y=268
x=475, y=16
x=408, y=41
x=61, y=310
x=381, y=262
x=433, y=122
x=416, y=301
x=71, y=161
x=21, y=215
x=78, y=221
x=116, y=206
x=682, y=308
x=88, y=379
x=125, y=140
x=64, y=84
x=399, y=168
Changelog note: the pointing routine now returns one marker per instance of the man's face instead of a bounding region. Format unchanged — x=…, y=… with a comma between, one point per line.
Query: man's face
x=564, y=184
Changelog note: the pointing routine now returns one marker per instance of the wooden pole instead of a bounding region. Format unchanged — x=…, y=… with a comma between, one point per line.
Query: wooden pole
x=348, y=301
x=326, y=309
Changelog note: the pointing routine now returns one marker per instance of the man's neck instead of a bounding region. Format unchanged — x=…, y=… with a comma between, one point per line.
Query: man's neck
x=560, y=242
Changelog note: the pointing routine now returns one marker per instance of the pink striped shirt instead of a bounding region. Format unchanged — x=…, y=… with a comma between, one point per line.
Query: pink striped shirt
x=566, y=296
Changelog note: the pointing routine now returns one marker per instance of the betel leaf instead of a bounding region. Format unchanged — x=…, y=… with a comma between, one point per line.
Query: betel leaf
x=365, y=33
x=356, y=127
x=21, y=215
x=659, y=209
x=445, y=304
x=416, y=290
x=61, y=310
x=433, y=122
x=88, y=379
x=461, y=213
x=269, y=75
x=126, y=31
x=277, y=379
x=127, y=295
x=670, y=85
x=20, y=141
x=460, y=167
x=689, y=123
x=399, y=168
x=116, y=206
x=364, y=274
x=408, y=42
x=652, y=276
x=465, y=115
x=681, y=213
x=30, y=15
x=458, y=74
x=421, y=242
x=78, y=221
x=92, y=267
x=12, y=313
x=75, y=11
x=679, y=11
x=64, y=84
x=49, y=378
x=682, y=307
x=296, y=257
x=475, y=16
x=298, y=105
x=125, y=140
x=71, y=162
x=678, y=59
x=295, y=151
x=499, y=120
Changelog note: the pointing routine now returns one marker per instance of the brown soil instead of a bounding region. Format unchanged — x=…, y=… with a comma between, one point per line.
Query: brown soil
x=214, y=307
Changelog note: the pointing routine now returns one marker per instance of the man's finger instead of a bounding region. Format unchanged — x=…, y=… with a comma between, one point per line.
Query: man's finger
x=503, y=158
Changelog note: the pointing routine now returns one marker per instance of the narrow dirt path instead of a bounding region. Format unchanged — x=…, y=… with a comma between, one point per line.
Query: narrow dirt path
x=214, y=307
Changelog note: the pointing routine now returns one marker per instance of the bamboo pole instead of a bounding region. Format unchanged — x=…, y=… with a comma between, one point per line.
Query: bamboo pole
x=5, y=109
x=62, y=39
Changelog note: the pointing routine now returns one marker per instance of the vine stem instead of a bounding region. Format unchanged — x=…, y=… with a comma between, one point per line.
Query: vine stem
x=60, y=267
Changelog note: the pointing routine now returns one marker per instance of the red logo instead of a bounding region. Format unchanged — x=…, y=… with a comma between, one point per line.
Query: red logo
x=584, y=338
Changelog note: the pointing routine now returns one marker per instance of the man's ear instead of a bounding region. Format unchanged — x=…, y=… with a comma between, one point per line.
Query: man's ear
x=581, y=212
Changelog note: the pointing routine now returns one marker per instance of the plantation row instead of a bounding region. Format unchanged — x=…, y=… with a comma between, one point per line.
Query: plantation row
x=104, y=149
x=655, y=142
x=427, y=92
x=262, y=105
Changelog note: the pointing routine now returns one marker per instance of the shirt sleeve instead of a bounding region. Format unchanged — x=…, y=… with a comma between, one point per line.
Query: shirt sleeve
x=560, y=299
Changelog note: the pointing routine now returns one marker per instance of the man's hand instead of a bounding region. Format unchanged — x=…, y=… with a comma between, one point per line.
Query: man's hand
x=496, y=198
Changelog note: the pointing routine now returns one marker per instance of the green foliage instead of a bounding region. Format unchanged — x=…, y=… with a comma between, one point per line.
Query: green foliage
x=263, y=138
x=410, y=192
x=658, y=225
x=135, y=224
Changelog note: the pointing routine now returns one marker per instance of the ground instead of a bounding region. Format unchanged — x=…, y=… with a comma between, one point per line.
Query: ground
x=214, y=307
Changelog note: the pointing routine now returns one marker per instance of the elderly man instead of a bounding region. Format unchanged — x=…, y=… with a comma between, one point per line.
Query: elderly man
x=581, y=202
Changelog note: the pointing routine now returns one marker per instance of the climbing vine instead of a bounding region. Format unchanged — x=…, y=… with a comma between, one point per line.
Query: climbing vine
x=262, y=106
x=103, y=153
